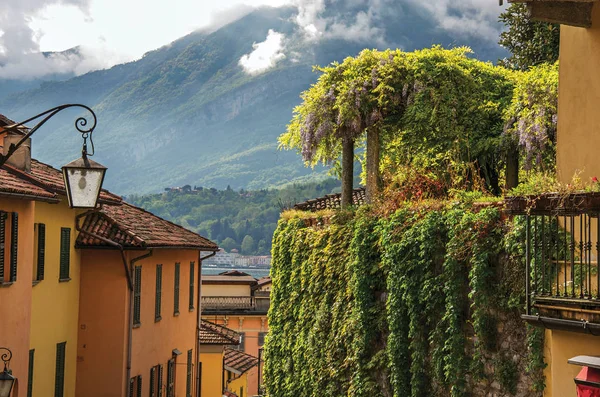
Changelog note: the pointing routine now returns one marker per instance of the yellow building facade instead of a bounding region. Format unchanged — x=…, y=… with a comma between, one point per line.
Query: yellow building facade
x=578, y=139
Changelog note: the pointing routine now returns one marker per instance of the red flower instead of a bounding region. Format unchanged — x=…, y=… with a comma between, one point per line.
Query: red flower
x=594, y=179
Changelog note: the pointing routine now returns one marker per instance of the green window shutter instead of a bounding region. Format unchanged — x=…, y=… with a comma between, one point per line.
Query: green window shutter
x=170, y=378
x=14, y=246
x=41, y=250
x=188, y=379
x=137, y=295
x=160, y=378
x=138, y=386
x=158, y=296
x=176, y=289
x=192, y=265
x=153, y=382
x=131, y=387
x=3, y=217
x=30, y=373
x=65, y=252
x=59, y=378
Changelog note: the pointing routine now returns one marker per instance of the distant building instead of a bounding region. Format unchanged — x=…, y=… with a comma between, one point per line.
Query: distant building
x=233, y=258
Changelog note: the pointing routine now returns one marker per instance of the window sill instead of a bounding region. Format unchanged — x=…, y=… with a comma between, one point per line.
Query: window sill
x=176, y=314
x=6, y=284
x=192, y=309
x=137, y=325
x=157, y=319
x=64, y=280
x=35, y=282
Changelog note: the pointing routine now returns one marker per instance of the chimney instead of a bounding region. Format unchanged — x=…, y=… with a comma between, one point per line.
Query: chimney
x=21, y=159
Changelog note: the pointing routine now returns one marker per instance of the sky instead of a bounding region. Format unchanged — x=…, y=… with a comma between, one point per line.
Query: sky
x=109, y=32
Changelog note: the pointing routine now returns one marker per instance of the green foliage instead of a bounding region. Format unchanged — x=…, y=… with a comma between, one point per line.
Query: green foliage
x=243, y=219
x=535, y=354
x=446, y=273
x=530, y=43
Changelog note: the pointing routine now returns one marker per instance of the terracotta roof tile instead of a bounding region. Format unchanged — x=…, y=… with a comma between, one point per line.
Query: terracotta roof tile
x=214, y=334
x=227, y=393
x=332, y=201
x=12, y=184
x=239, y=361
x=133, y=227
x=5, y=121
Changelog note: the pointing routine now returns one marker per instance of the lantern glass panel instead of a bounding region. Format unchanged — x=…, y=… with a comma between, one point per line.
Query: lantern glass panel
x=83, y=186
x=6, y=384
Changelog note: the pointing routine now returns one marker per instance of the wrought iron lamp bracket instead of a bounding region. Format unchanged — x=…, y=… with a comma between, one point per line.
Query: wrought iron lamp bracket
x=81, y=124
x=5, y=357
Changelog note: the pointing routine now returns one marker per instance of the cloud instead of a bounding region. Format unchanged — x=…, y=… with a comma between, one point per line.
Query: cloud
x=352, y=20
x=471, y=18
x=265, y=54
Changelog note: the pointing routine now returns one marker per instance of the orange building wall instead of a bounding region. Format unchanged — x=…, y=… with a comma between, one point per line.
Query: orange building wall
x=104, y=310
x=103, y=314
x=251, y=325
x=153, y=342
x=15, y=300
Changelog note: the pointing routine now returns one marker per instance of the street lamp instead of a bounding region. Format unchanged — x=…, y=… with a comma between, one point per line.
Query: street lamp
x=83, y=177
x=6, y=379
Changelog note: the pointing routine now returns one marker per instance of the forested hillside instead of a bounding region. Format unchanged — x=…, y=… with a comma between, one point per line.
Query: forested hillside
x=242, y=219
x=190, y=112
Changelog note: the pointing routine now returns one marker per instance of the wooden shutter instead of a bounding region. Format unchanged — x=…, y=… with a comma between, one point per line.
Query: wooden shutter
x=153, y=382
x=65, y=252
x=3, y=216
x=30, y=373
x=176, y=289
x=59, y=379
x=158, y=296
x=137, y=295
x=41, y=250
x=14, y=246
x=160, y=378
x=188, y=379
x=171, y=378
x=138, y=386
x=192, y=265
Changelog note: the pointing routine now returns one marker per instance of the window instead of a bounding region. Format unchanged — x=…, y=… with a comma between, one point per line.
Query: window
x=176, y=290
x=192, y=265
x=159, y=381
x=261, y=338
x=153, y=381
x=137, y=295
x=65, y=253
x=158, y=296
x=30, y=373
x=135, y=386
x=14, y=246
x=188, y=379
x=59, y=378
x=171, y=378
x=40, y=235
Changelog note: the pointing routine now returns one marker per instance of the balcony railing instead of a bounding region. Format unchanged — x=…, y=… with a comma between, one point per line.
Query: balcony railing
x=234, y=304
x=562, y=251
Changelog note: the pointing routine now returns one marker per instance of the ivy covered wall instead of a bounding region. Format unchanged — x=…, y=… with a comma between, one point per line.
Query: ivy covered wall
x=424, y=302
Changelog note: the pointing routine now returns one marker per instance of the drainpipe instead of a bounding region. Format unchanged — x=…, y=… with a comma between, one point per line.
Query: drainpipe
x=130, y=315
x=199, y=318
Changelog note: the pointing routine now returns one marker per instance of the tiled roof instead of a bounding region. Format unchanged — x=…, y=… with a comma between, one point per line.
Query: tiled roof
x=227, y=393
x=133, y=227
x=239, y=361
x=332, y=201
x=11, y=184
x=214, y=334
x=261, y=282
x=5, y=121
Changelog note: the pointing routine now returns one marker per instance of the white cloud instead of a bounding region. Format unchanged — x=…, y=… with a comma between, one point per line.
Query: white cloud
x=474, y=18
x=265, y=54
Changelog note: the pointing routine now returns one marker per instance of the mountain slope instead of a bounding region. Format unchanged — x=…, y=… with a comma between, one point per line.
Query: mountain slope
x=188, y=113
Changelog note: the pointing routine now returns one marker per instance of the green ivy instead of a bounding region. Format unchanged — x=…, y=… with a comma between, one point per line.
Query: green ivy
x=406, y=305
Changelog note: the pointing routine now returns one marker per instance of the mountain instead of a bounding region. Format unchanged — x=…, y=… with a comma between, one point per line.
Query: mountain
x=188, y=113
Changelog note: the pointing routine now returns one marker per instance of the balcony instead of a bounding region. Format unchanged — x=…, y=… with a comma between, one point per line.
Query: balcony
x=234, y=304
x=561, y=255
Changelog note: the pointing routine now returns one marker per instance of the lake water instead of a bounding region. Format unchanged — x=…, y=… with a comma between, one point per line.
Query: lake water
x=256, y=273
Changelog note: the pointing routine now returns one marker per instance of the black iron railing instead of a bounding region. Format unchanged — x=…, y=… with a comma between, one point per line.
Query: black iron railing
x=562, y=252
x=234, y=303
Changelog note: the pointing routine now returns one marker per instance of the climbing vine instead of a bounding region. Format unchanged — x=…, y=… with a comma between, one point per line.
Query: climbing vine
x=405, y=305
